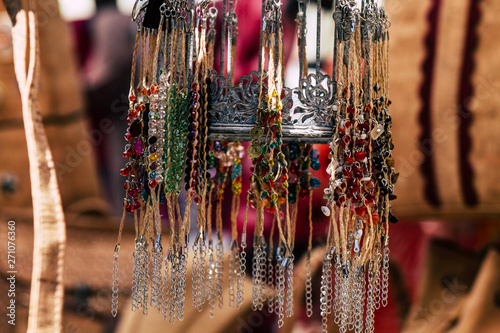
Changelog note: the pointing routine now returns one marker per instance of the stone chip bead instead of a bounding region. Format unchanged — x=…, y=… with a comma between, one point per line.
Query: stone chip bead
x=377, y=132
x=358, y=234
x=360, y=155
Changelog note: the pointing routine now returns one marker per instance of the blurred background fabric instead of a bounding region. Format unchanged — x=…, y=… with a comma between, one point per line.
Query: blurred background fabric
x=445, y=83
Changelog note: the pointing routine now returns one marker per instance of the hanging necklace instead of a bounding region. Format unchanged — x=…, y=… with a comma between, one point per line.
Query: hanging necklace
x=185, y=124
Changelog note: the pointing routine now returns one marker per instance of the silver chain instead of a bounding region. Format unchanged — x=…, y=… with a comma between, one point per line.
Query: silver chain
x=135, y=276
x=262, y=275
x=114, y=289
x=385, y=274
x=270, y=282
x=280, y=299
x=289, y=291
x=325, y=271
x=156, y=280
x=233, y=274
x=241, y=273
x=219, y=272
x=166, y=285
x=144, y=278
x=308, y=289
x=211, y=280
x=182, y=281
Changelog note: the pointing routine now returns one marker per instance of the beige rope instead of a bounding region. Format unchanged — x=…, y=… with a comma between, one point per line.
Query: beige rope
x=309, y=246
x=157, y=50
x=134, y=62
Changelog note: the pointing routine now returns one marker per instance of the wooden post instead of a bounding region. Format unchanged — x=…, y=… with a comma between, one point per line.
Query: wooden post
x=47, y=289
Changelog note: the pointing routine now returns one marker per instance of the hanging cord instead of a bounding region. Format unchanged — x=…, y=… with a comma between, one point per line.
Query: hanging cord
x=115, y=289
x=171, y=198
x=204, y=117
x=134, y=62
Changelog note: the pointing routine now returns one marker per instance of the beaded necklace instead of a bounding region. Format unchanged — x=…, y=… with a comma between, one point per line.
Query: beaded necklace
x=171, y=147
